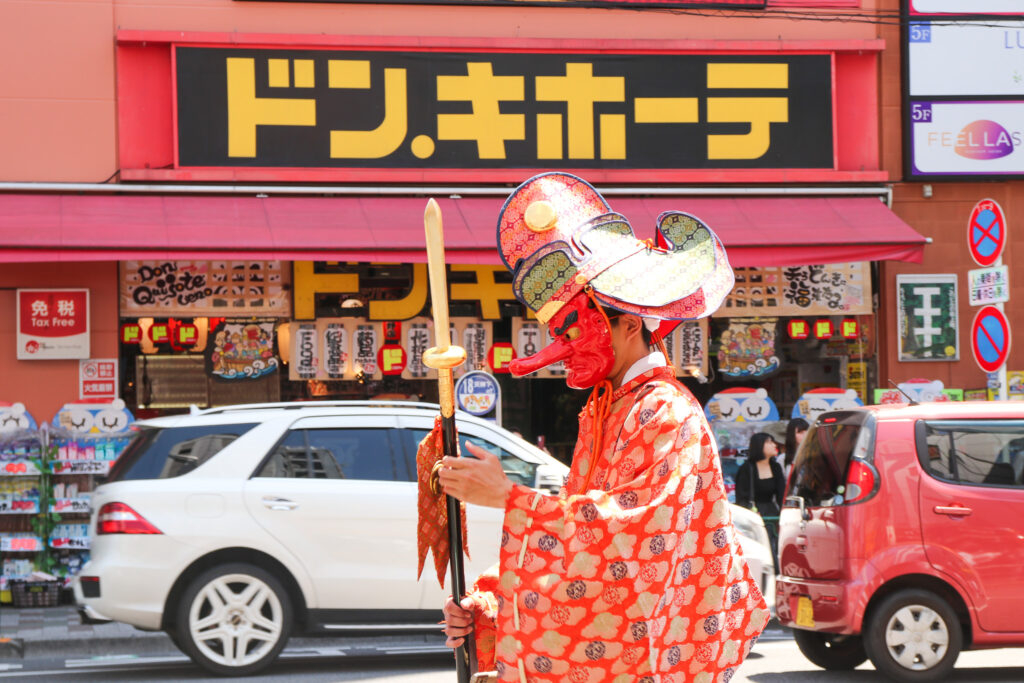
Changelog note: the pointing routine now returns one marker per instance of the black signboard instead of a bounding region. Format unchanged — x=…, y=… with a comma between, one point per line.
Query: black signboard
x=328, y=108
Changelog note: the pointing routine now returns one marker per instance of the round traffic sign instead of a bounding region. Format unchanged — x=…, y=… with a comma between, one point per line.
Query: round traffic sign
x=990, y=338
x=477, y=392
x=986, y=232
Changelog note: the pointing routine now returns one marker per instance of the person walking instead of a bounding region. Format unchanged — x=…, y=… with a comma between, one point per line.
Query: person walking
x=761, y=485
x=634, y=571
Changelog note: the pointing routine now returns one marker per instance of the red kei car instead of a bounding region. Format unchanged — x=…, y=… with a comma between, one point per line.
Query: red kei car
x=902, y=537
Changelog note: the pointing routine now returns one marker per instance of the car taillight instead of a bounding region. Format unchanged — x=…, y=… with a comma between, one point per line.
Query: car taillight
x=860, y=481
x=118, y=518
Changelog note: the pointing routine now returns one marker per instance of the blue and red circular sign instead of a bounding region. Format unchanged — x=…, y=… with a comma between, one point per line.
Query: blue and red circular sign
x=986, y=232
x=990, y=338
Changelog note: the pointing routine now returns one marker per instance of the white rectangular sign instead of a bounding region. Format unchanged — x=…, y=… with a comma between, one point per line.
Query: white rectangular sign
x=966, y=7
x=989, y=285
x=964, y=58
x=979, y=138
x=97, y=378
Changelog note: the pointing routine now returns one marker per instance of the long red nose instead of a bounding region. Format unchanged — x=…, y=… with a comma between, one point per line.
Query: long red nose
x=550, y=354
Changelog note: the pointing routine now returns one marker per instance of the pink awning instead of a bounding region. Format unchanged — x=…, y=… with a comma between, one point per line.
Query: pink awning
x=756, y=231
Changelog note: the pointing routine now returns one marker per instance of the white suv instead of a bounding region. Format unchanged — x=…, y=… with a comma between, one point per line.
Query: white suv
x=231, y=528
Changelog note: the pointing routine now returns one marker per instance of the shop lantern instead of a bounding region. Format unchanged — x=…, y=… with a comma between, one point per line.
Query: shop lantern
x=186, y=334
x=823, y=328
x=499, y=356
x=131, y=333
x=159, y=333
x=799, y=329
x=391, y=358
x=849, y=328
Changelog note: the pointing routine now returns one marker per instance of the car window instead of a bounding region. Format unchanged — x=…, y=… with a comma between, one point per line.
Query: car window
x=156, y=453
x=516, y=469
x=364, y=454
x=983, y=452
x=819, y=469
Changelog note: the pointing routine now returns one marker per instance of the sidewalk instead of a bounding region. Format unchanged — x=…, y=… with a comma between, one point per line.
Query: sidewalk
x=46, y=629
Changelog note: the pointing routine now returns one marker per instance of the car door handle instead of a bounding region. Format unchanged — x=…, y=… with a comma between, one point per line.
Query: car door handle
x=801, y=544
x=279, y=503
x=952, y=510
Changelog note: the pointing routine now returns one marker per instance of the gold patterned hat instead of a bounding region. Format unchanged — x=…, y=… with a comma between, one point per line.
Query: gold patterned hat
x=557, y=234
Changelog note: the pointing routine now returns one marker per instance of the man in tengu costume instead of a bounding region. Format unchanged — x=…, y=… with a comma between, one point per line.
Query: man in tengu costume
x=634, y=571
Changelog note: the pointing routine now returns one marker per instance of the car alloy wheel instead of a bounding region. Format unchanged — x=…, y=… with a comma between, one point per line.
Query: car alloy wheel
x=914, y=636
x=235, y=619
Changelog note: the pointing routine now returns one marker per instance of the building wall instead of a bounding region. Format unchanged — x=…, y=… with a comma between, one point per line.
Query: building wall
x=942, y=217
x=59, y=103
x=45, y=385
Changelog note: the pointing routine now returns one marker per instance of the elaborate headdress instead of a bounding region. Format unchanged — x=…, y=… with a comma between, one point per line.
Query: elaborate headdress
x=557, y=235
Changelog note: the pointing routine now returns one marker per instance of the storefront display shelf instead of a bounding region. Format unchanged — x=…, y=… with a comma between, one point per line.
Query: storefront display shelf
x=19, y=467
x=100, y=467
x=18, y=506
x=80, y=505
x=20, y=543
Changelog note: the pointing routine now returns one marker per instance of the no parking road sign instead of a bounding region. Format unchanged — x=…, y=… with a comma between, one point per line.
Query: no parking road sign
x=990, y=338
x=986, y=232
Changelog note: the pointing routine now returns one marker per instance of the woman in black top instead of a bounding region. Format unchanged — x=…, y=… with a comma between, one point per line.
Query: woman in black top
x=761, y=485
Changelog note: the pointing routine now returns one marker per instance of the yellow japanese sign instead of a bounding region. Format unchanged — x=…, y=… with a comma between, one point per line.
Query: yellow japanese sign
x=403, y=110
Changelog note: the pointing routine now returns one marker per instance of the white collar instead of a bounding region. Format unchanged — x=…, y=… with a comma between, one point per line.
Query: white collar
x=655, y=359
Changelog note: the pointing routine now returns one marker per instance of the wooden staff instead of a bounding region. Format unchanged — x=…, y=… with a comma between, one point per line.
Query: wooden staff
x=444, y=357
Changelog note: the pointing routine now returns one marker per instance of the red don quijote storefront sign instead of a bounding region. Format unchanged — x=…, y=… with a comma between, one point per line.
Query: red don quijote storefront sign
x=53, y=323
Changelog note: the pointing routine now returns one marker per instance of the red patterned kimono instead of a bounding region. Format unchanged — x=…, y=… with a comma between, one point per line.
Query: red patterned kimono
x=639, y=578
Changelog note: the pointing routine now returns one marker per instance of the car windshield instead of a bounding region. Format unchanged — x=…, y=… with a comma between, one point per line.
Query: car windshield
x=819, y=469
x=156, y=453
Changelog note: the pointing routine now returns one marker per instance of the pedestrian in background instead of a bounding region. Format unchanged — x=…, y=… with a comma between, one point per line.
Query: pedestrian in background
x=796, y=430
x=761, y=485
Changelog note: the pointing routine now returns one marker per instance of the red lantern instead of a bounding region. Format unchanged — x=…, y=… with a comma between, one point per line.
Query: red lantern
x=849, y=328
x=499, y=356
x=392, y=331
x=823, y=328
x=799, y=329
x=159, y=333
x=131, y=333
x=392, y=359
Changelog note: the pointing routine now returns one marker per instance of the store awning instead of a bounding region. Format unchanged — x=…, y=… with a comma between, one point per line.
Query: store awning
x=757, y=231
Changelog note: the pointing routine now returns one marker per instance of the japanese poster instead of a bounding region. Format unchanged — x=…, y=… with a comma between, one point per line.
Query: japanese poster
x=394, y=111
x=241, y=349
x=830, y=289
x=747, y=348
x=52, y=323
x=928, y=319
x=205, y=288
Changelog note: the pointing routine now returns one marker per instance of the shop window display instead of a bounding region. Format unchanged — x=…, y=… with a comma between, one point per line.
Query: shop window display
x=47, y=473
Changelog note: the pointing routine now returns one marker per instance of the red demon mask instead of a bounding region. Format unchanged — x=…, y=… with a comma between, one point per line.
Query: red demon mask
x=582, y=340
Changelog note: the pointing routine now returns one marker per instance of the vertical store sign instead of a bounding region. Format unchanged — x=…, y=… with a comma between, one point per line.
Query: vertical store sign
x=928, y=321
x=52, y=323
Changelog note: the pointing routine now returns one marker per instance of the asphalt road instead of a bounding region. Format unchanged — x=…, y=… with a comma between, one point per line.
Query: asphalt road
x=773, y=661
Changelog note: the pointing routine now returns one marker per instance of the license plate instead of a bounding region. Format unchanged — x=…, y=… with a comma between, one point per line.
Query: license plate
x=804, y=612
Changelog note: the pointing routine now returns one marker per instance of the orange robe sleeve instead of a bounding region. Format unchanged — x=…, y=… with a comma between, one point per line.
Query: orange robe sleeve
x=640, y=578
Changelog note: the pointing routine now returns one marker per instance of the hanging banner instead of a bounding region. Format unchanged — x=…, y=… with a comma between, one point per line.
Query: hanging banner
x=529, y=337
x=52, y=323
x=241, y=349
x=689, y=348
x=830, y=289
x=747, y=348
x=928, y=322
x=419, y=336
x=205, y=288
